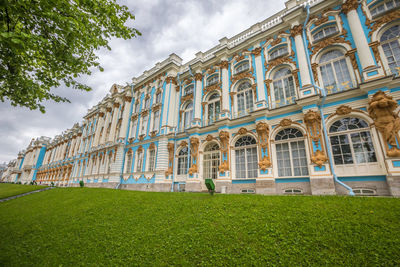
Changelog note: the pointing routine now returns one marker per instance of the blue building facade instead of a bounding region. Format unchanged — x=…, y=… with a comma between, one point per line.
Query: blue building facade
x=304, y=102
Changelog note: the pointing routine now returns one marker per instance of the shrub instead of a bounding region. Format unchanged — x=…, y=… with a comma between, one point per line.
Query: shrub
x=81, y=183
x=52, y=184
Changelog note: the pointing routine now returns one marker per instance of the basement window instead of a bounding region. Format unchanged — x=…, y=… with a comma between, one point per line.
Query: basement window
x=293, y=191
x=248, y=191
x=364, y=192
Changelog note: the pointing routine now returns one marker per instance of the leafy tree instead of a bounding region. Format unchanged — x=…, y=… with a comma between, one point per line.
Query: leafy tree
x=46, y=43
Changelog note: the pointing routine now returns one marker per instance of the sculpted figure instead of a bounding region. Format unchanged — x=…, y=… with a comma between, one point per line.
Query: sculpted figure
x=263, y=132
x=319, y=158
x=194, y=149
x=264, y=163
x=381, y=109
x=224, y=137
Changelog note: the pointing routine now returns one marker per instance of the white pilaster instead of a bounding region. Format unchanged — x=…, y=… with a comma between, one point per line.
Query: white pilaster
x=197, y=100
x=225, y=89
x=107, y=121
x=114, y=120
x=125, y=117
x=100, y=124
x=260, y=77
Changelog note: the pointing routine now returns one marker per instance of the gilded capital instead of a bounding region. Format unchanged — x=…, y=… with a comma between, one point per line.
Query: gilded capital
x=198, y=76
x=349, y=6
x=296, y=30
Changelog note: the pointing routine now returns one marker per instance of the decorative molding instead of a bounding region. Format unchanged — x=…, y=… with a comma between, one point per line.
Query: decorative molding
x=314, y=67
x=374, y=46
x=224, y=139
x=194, y=150
x=312, y=120
x=382, y=110
x=349, y=5
x=375, y=24
x=352, y=56
x=296, y=77
x=242, y=131
x=187, y=97
x=279, y=61
x=256, y=51
x=152, y=146
x=172, y=80
x=263, y=134
x=329, y=41
x=232, y=95
x=242, y=75
x=183, y=144
x=209, y=138
x=215, y=86
x=285, y=122
x=170, y=148
x=198, y=77
x=343, y=110
x=224, y=64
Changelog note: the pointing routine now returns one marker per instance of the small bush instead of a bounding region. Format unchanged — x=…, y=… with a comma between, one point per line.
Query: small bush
x=81, y=183
x=52, y=184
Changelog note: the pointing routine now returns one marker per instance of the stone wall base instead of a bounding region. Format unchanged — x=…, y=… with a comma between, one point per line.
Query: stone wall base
x=322, y=186
x=305, y=187
x=162, y=187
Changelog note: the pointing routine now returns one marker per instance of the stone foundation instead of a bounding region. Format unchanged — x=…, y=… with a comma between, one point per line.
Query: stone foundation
x=322, y=186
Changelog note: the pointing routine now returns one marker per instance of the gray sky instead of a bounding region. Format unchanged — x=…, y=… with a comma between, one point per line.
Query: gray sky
x=183, y=27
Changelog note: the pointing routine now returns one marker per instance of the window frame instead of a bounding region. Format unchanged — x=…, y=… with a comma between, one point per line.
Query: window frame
x=240, y=63
x=289, y=141
x=248, y=99
x=207, y=173
x=249, y=148
x=282, y=80
x=151, y=160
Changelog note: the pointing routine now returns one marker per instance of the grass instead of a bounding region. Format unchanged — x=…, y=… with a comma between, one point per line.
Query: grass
x=84, y=226
x=8, y=190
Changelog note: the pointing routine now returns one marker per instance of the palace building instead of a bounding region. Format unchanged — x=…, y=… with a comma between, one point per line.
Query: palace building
x=304, y=102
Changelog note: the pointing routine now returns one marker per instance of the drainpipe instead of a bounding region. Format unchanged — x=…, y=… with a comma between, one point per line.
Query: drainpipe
x=323, y=93
x=121, y=176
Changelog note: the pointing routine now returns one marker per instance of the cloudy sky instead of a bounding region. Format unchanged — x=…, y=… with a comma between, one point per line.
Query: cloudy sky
x=183, y=27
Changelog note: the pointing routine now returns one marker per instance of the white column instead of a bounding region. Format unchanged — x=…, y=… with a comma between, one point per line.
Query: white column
x=301, y=56
x=65, y=145
x=71, y=147
x=171, y=83
x=174, y=107
x=197, y=99
x=364, y=52
x=114, y=120
x=162, y=158
x=125, y=116
x=100, y=124
x=260, y=75
x=225, y=86
x=107, y=121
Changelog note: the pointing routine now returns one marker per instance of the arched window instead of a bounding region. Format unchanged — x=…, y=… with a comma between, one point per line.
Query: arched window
x=183, y=161
x=244, y=98
x=188, y=90
x=246, y=157
x=109, y=162
x=284, y=89
x=278, y=52
x=213, y=108
x=335, y=72
x=291, y=153
x=351, y=142
x=212, y=80
x=325, y=32
x=187, y=115
x=128, y=166
x=390, y=42
x=242, y=66
x=152, y=159
x=383, y=6
x=139, y=161
x=211, y=161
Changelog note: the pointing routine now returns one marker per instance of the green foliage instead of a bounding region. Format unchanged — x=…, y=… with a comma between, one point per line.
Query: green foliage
x=9, y=190
x=47, y=43
x=81, y=184
x=67, y=226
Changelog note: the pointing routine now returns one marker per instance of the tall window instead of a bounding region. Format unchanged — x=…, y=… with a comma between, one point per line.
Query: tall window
x=213, y=108
x=139, y=162
x=158, y=98
x=156, y=120
x=109, y=162
x=242, y=66
x=133, y=128
x=187, y=115
x=147, y=103
x=291, y=153
x=246, y=157
x=212, y=79
x=351, y=142
x=152, y=159
x=183, y=161
x=244, y=98
x=98, y=166
x=128, y=161
x=211, y=161
x=284, y=89
x=137, y=107
x=143, y=126
x=335, y=72
x=390, y=42
x=188, y=90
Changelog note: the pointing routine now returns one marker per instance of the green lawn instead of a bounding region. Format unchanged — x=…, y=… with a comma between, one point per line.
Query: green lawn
x=8, y=190
x=83, y=226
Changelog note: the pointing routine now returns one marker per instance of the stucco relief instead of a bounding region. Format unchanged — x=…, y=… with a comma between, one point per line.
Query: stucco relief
x=312, y=119
x=194, y=151
x=224, y=138
x=169, y=170
x=263, y=135
x=381, y=110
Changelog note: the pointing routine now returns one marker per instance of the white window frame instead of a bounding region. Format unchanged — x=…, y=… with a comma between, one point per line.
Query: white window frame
x=373, y=6
x=278, y=51
x=212, y=79
x=143, y=125
x=139, y=161
x=326, y=31
x=211, y=161
x=389, y=42
x=156, y=120
x=182, y=168
x=237, y=66
x=289, y=141
x=248, y=101
x=213, y=103
x=246, y=159
x=129, y=157
x=151, y=160
x=287, y=99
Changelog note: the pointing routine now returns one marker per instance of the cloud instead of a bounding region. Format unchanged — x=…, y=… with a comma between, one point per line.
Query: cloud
x=183, y=27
